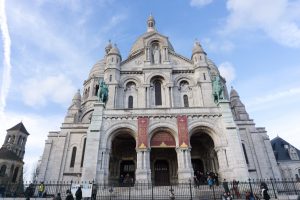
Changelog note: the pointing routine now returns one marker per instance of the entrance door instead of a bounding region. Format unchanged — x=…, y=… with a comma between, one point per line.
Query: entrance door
x=197, y=165
x=127, y=169
x=161, y=173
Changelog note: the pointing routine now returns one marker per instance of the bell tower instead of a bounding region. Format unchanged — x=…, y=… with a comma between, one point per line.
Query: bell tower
x=15, y=140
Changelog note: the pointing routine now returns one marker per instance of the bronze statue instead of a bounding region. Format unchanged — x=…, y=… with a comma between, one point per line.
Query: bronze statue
x=102, y=92
x=218, y=89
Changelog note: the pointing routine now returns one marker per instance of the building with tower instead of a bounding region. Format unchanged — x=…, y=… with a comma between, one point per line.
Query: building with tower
x=167, y=116
x=11, y=159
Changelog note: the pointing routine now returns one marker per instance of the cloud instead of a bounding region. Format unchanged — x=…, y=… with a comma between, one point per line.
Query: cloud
x=272, y=100
x=218, y=45
x=40, y=91
x=200, y=3
x=227, y=71
x=276, y=18
x=6, y=77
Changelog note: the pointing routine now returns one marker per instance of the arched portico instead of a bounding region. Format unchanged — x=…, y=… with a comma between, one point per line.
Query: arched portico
x=203, y=155
x=163, y=157
x=123, y=159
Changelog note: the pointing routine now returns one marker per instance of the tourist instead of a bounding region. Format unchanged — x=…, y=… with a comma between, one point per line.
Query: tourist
x=41, y=189
x=69, y=195
x=216, y=179
x=210, y=181
x=58, y=197
x=225, y=186
x=236, y=188
x=264, y=191
x=94, y=192
x=121, y=179
x=249, y=196
x=78, y=193
x=29, y=191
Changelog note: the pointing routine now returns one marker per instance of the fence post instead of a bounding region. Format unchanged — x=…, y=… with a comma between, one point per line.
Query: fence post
x=152, y=190
x=191, y=193
x=294, y=186
x=249, y=181
x=213, y=188
x=129, y=192
x=71, y=185
x=271, y=179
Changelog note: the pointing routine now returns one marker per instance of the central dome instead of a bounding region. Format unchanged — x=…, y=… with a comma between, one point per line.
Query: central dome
x=151, y=35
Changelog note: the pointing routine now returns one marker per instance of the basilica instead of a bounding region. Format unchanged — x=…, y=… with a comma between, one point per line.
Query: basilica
x=165, y=117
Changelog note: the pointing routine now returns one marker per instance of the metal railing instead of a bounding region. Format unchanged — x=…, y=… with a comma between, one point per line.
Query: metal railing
x=139, y=190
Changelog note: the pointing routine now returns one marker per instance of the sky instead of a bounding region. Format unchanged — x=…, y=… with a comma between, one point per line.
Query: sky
x=48, y=47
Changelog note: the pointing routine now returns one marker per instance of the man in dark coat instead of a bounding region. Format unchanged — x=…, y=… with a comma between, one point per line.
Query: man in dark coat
x=69, y=195
x=78, y=194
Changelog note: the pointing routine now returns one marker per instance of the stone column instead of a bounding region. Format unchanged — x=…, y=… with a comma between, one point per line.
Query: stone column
x=143, y=170
x=89, y=170
x=103, y=169
x=185, y=169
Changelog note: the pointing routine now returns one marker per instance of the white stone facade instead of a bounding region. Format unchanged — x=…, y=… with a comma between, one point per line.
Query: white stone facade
x=156, y=83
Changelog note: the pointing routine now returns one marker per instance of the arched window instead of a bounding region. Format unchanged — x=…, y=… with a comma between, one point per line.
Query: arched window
x=12, y=170
x=96, y=90
x=72, y=163
x=19, y=140
x=110, y=78
x=245, y=153
x=13, y=139
x=83, y=150
x=185, y=101
x=2, y=170
x=130, y=102
x=157, y=89
x=15, y=175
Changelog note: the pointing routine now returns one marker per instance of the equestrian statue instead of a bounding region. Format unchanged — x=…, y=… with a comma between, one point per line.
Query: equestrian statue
x=218, y=89
x=102, y=93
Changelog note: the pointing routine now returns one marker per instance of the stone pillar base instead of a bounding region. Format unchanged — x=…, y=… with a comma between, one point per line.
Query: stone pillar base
x=142, y=176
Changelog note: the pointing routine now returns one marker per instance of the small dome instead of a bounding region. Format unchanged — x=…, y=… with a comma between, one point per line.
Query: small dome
x=151, y=18
x=98, y=68
x=233, y=93
x=213, y=68
x=108, y=47
x=77, y=95
x=198, y=48
x=114, y=50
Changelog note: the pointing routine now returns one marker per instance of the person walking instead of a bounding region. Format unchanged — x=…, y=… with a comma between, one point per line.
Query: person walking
x=69, y=195
x=235, y=185
x=78, y=193
x=41, y=189
x=264, y=191
x=225, y=186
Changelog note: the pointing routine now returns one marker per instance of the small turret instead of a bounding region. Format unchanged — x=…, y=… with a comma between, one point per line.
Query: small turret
x=151, y=24
x=77, y=99
x=113, y=56
x=74, y=110
x=198, y=54
x=108, y=47
x=237, y=107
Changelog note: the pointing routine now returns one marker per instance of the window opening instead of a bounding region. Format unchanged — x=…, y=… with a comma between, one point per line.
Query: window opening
x=72, y=163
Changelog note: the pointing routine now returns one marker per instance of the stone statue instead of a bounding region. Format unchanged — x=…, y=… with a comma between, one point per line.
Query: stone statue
x=218, y=89
x=156, y=55
x=102, y=92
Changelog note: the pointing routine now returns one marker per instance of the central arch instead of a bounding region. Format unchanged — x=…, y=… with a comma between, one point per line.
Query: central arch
x=122, y=162
x=163, y=158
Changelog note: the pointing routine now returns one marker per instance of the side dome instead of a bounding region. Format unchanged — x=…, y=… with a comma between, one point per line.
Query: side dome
x=213, y=68
x=98, y=68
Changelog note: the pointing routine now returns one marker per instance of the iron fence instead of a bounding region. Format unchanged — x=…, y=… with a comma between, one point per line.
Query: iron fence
x=145, y=191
